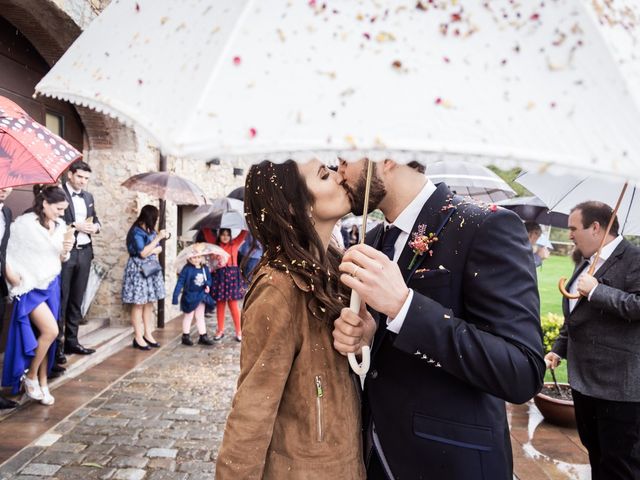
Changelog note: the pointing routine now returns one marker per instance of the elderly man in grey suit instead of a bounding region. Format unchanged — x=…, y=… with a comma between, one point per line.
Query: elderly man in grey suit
x=601, y=340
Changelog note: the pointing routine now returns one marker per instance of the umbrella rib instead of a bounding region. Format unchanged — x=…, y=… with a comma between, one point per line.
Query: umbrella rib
x=626, y=217
x=580, y=182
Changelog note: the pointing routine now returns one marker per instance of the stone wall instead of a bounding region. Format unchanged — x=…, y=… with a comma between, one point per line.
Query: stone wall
x=118, y=207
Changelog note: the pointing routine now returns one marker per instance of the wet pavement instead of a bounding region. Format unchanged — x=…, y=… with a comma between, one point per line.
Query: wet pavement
x=164, y=420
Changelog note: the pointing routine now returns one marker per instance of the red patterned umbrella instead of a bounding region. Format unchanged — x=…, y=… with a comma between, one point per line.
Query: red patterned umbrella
x=29, y=152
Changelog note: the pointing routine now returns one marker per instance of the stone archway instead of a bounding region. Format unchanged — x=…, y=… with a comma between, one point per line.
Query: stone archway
x=51, y=30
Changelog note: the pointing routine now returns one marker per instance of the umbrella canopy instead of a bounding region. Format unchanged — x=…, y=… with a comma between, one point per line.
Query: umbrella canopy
x=561, y=194
x=166, y=186
x=224, y=204
x=29, y=152
x=532, y=209
x=502, y=80
x=470, y=180
x=216, y=256
x=237, y=193
x=222, y=212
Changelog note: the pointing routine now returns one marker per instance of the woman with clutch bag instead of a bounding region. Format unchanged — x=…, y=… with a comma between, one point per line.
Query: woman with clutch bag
x=143, y=282
x=38, y=244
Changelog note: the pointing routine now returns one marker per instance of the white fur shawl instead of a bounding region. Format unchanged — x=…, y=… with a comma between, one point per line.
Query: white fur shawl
x=33, y=253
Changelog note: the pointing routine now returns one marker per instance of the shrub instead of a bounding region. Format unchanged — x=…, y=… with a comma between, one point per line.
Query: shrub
x=551, y=324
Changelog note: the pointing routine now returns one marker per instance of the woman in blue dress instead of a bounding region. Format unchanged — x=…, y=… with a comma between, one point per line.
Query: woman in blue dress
x=141, y=289
x=38, y=245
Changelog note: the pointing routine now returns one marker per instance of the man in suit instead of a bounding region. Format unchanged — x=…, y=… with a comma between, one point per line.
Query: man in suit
x=458, y=327
x=5, y=223
x=81, y=214
x=601, y=340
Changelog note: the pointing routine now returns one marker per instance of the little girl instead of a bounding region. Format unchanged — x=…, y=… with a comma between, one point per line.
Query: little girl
x=228, y=284
x=194, y=282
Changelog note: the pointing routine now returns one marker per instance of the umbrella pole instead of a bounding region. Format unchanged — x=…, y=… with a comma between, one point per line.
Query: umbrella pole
x=592, y=267
x=354, y=304
x=162, y=223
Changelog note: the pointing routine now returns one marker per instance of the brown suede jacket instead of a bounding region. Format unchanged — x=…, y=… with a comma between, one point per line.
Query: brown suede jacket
x=296, y=412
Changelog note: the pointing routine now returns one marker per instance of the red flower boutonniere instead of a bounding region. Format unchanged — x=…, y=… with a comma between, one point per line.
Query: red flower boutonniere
x=421, y=243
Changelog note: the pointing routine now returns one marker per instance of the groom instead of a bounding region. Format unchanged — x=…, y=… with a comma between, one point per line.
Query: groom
x=458, y=327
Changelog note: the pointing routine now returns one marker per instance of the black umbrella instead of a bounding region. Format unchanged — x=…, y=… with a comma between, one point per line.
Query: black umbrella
x=532, y=209
x=237, y=193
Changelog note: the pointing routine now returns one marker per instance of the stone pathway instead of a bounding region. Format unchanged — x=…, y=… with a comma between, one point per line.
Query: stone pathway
x=163, y=421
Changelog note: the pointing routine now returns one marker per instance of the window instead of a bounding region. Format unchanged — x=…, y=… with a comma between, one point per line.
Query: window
x=55, y=123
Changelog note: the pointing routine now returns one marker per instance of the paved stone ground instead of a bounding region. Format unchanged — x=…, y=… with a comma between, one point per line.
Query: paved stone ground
x=163, y=421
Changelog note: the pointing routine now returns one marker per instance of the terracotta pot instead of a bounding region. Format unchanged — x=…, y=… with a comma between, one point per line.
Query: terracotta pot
x=556, y=411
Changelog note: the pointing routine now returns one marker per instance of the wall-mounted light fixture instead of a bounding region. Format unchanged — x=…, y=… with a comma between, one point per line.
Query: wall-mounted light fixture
x=238, y=172
x=213, y=161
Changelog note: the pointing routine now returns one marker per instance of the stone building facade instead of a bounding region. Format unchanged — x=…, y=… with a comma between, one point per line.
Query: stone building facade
x=113, y=150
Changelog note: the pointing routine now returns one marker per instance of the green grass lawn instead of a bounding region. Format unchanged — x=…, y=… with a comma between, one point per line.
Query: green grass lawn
x=551, y=270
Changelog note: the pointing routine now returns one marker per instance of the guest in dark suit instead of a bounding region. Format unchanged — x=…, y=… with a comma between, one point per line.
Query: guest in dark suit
x=5, y=221
x=458, y=327
x=601, y=340
x=81, y=214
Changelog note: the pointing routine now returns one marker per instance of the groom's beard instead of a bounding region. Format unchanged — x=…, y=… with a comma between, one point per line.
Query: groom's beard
x=356, y=194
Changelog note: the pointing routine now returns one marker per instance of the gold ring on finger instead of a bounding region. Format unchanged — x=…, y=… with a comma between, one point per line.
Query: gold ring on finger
x=355, y=271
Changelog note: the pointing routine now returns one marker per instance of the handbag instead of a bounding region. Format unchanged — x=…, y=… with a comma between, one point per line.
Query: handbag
x=150, y=267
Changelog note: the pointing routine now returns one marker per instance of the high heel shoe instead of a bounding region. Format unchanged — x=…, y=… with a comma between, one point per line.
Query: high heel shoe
x=140, y=347
x=150, y=343
x=47, y=398
x=31, y=388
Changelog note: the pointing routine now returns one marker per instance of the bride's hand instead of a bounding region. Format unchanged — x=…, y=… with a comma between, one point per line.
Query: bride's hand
x=352, y=331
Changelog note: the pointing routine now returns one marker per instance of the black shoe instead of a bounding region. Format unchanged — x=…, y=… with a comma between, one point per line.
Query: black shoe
x=205, y=340
x=58, y=369
x=83, y=321
x=6, y=404
x=79, y=349
x=60, y=358
x=151, y=344
x=140, y=347
x=186, y=340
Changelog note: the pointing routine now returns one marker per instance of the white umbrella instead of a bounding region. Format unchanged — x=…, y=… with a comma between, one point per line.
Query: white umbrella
x=470, y=179
x=400, y=79
x=562, y=193
x=383, y=79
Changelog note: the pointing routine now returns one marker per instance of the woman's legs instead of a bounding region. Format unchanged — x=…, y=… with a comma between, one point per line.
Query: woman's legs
x=199, y=312
x=235, y=314
x=220, y=307
x=147, y=318
x=46, y=324
x=136, y=323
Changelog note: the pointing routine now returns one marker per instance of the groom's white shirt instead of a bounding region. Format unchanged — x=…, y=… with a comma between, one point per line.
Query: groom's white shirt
x=405, y=222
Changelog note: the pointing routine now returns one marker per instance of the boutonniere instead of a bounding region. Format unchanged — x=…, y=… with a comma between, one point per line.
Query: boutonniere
x=421, y=243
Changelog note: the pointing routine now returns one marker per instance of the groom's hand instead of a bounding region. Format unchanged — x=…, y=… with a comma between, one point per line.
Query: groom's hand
x=377, y=279
x=352, y=331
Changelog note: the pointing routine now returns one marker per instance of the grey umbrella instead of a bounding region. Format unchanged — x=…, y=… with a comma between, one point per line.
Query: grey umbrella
x=532, y=209
x=470, y=180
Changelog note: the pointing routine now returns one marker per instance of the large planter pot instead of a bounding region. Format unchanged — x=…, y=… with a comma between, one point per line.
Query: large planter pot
x=554, y=410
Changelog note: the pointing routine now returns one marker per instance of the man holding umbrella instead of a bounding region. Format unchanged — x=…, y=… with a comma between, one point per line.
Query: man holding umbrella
x=601, y=340
x=458, y=330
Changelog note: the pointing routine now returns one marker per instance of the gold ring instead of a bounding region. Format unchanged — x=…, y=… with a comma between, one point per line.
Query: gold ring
x=355, y=271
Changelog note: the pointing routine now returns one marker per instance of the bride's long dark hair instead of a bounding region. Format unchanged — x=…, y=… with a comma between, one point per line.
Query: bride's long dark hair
x=277, y=205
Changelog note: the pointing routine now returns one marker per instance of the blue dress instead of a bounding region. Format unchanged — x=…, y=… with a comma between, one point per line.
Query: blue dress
x=136, y=288
x=192, y=282
x=21, y=339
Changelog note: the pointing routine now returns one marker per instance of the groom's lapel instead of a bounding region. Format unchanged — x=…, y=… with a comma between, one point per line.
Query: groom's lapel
x=434, y=216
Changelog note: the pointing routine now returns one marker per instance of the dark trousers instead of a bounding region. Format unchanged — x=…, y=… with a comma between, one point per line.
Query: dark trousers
x=611, y=433
x=74, y=276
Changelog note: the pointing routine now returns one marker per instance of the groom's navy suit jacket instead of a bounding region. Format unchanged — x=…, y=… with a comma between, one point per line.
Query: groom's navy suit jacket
x=471, y=340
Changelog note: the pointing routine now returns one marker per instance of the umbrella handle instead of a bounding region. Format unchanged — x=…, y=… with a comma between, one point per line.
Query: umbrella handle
x=362, y=368
x=565, y=293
